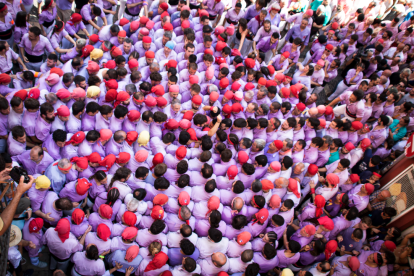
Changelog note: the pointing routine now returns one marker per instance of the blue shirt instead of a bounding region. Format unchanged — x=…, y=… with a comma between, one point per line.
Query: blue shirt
x=175, y=257
x=119, y=256
x=150, y=179
x=271, y=156
x=297, y=32
x=57, y=178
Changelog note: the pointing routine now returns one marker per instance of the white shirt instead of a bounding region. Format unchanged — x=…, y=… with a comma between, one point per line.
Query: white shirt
x=174, y=239
x=180, y=271
x=207, y=247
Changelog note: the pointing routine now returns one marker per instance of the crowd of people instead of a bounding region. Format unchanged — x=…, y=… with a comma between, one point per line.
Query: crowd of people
x=193, y=137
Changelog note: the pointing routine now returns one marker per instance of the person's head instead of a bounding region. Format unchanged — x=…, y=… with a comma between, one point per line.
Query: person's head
x=388, y=212
x=323, y=267
x=92, y=252
x=34, y=33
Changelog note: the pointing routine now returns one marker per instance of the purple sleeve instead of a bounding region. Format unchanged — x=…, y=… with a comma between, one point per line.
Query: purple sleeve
x=306, y=40
x=349, y=75
x=70, y=29
x=48, y=46
x=260, y=44
x=3, y=127
x=360, y=110
x=17, y=35
x=86, y=14
x=54, y=42
x=41, y=18
x=359, y=77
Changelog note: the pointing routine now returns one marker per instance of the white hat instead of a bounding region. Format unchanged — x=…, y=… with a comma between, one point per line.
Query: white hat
x=15, y=235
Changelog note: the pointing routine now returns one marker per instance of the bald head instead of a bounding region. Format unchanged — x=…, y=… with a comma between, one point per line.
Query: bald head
x=387, y=73
x=313, y=111
x=238, y=203
x=281, y=182
x=299, y=168
x=185, y=213
x=119, y=136
x=219, y=259
x=385, y=194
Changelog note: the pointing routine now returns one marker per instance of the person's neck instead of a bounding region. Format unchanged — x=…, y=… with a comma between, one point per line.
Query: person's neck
x=333, y=150
x=78, y=116
x=323, y=148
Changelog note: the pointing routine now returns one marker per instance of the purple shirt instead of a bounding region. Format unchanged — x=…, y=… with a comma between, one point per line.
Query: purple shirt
x=285, y=261
x=42, y=45
x=36, y=238
x=102, y=245
x=56, y=247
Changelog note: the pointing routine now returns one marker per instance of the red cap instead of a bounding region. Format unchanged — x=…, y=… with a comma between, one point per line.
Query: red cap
x=22, y=94
x=197, y=99
x=185, y=24
x=83, y=185
x=78, y=215
x=278, y=144
x=250, y=63
x=106, y=211
x=103, y=231
x=261, y=216
x=313, y=169
x=130, y=218
x=301, y=106
x=168, y=27
x=224, y=82
x=184, y=198
x=181, y=152
x=35, y=225
x=232, y=172
x=329, y=47
x=369, y=188
x=149, y=54
x=157, y=212
x=229, y=95
x=357, y=125
x=160, y=199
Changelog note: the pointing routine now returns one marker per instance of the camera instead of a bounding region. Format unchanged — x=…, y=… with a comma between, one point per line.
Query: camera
x=17, y=172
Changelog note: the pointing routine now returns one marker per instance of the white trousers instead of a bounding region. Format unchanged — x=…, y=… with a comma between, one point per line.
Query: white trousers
x=339, y=90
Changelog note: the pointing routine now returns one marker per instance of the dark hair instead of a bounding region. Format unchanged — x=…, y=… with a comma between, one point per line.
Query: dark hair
x=269, y=251
x=93, y=135
x=294, y=246
x=390, y=212
x=161, y=183
x=157, y=227
x=92, y=107
x=98, y=175
x=59, y=135
x=18, y=131
x=238, y=222
x=92, y=252
x=63, y=204
x=215, y=235
x=139, y=194
x=215, y=218
x=20, y=20
x=120, y=173
x=189, y=264
x=187, y=246
x=77, y=107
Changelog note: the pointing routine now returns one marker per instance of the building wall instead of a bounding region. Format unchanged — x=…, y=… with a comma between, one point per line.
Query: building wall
x=407, y=220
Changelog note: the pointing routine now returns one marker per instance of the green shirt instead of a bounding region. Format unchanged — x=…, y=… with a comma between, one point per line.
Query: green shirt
x=398, y=132
x=334, y=157
x=315, y=5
